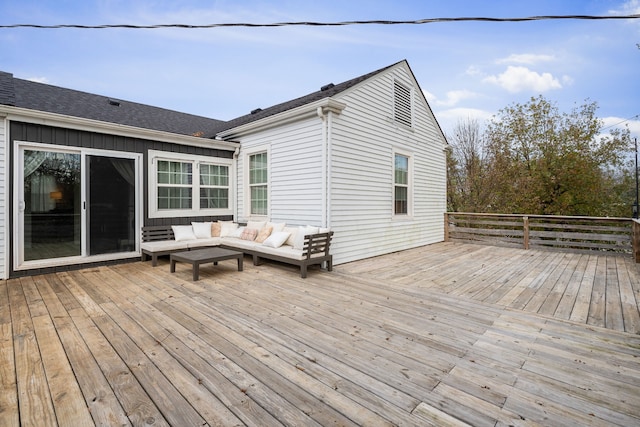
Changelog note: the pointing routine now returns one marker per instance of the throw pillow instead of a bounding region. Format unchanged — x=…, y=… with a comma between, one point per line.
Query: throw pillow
x=292, y=236
x=264, y=233
x=302, y=232
x=202, y=230
x=277, y=226
x=237, y=233
x=227, y=228
x=183, y=232
x=256, y=224
x=215, y=229
x=249, y=234
x=276, y=239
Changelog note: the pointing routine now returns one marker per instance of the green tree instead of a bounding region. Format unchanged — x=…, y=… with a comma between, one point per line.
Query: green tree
x=542, y=161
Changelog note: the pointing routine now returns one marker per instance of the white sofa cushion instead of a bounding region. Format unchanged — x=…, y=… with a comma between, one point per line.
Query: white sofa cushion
x=302, y=232
x=232, y=242
x=227, y=228
x=202, y=230
x=287, y=252
x=183, y=232
x=202, y=243
x=276, y=239
x=257, y=225
x=277, y=226
x=164, y=245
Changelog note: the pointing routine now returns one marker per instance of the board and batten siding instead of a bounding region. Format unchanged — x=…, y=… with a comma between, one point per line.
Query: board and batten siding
x=3, y=198
x=363, y=140
x=295, y=172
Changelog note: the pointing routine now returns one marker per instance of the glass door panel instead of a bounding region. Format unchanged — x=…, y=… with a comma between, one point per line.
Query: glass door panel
x=111, y=205
x=52, y=202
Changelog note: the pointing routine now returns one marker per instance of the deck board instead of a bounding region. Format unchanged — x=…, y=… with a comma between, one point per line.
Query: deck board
x=448, y=334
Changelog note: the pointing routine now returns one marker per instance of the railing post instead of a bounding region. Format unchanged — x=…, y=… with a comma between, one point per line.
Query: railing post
x=525, y=229
x=446, y=226
x=635, y=239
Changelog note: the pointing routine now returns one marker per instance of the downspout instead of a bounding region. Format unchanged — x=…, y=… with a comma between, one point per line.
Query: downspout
x=328, y=167
x=324, y=146
x=7, y=231
x=237, y=179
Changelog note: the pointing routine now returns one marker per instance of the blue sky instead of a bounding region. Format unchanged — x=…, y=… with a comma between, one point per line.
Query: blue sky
x=466, y=69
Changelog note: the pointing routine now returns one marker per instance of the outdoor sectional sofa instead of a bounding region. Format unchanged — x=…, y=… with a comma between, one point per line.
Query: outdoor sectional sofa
x=301, y=246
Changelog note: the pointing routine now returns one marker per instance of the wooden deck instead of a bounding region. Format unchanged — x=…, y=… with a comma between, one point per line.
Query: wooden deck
x=449, y=334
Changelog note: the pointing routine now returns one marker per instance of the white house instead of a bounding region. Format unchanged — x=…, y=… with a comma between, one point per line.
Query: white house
x=81, y=173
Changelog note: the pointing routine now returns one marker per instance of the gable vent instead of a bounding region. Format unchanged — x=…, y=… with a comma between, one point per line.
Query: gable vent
x=327, y=87
x=114, y=102
x=401, y=104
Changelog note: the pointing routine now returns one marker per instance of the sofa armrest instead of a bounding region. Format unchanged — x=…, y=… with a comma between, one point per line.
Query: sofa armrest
x=318, y=243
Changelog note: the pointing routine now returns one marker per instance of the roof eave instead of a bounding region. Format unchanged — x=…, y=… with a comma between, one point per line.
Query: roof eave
x=90, y=125
x=321, y=106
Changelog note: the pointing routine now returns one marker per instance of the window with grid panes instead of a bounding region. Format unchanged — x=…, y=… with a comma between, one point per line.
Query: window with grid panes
x=174, y=181
x=214, y=186
x=401, y=185
x=258, y=184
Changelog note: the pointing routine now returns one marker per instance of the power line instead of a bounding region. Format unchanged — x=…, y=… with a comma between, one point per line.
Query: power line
x=623, y=121
x=327, y=24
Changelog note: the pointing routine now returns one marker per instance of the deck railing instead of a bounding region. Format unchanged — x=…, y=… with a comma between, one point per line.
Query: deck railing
x=636, y=240
x=571, y=233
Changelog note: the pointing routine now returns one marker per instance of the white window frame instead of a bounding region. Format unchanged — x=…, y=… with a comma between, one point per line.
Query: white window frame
x=196, y=161
x=410, y=186
x=409, y=88
x=247, y=186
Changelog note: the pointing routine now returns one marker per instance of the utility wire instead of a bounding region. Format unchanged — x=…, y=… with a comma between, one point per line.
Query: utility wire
x=328, y=24
x=621, y=122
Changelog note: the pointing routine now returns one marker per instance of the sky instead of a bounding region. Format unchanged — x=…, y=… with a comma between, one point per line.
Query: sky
x=467, y=70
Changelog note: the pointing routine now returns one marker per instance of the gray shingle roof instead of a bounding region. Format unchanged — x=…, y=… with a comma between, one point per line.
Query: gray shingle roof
x=53, y=99
x=326, y=91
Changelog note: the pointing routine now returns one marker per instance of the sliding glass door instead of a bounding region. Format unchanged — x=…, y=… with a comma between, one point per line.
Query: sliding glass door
x=74, y=204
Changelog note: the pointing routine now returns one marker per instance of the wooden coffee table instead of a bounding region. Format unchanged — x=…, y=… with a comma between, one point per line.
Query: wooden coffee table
x=203, y=256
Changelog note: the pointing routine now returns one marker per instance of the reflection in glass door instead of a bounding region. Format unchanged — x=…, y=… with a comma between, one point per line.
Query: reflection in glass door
x=111, y=205
x=51, y=205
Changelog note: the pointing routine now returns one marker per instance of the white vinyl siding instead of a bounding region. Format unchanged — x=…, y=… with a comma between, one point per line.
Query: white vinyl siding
x=3, y=199
x=295, y=172
x=338, y=171
x=365, y=137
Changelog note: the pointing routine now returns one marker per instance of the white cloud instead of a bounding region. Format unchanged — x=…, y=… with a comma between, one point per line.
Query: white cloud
x=473, y=71
x=455, y=96
x=631, y=7
x=518, y=79
x=525, y=58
